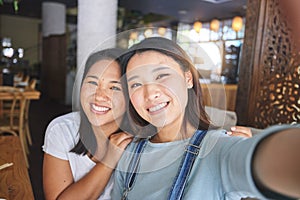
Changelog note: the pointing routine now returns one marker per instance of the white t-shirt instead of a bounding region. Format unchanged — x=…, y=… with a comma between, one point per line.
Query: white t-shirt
x=61, y=136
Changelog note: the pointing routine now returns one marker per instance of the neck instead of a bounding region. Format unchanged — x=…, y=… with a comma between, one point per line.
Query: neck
x=105, y=130
x=102, y=134
x=175, y=131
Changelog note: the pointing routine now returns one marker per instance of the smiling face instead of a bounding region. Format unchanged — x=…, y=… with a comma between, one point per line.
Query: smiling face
x=158, y=88
x=101, y=94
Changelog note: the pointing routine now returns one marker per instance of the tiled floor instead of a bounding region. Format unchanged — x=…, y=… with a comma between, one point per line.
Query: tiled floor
x=41, y=113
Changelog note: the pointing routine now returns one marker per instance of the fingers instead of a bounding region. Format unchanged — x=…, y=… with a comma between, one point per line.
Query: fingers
x=117, y=144
x=240, y=131
x=121, y=139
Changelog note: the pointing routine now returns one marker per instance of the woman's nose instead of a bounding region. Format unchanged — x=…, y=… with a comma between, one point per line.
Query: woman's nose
x=102, y=94
x=151, y=92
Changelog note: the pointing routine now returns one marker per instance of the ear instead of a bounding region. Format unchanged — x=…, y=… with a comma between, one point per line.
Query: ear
x=189, y=79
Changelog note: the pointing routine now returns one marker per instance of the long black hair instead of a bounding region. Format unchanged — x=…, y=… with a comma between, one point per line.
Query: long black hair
x=87, y=140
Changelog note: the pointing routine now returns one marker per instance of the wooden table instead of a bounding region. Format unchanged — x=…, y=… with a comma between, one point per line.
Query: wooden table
x=29, y=94
x=222, y=96
x=14, y=180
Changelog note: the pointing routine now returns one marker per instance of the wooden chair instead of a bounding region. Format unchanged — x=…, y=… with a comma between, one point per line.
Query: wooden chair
x=21, y=81
x=25, y=80
x=31, y=85
x=15, y=124
x=16, y=113
x=18, y=78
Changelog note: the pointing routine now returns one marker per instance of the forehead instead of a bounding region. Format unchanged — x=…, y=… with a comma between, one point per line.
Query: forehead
x=151, y=58
x=105, y=68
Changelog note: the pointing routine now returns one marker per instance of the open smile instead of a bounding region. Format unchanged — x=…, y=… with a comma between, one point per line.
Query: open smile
x=158, y=107
x=100, y=109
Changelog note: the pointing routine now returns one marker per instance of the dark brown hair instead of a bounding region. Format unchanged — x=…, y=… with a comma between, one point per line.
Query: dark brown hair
x=195, y=111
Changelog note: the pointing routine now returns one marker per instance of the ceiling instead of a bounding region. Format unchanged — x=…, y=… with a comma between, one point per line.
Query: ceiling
x=186, y=11
x=189, y=10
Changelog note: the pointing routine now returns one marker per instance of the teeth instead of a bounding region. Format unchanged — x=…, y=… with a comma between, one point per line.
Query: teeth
x=158, y=107
x=99, y=108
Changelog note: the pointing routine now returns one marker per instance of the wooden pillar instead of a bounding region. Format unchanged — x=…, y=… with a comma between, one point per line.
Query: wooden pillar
x=54, y=50
x=269, y=83
x=54, y=70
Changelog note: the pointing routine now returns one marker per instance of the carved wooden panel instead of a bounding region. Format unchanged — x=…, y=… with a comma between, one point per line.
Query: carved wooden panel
x=274, y=95
x=243, y=105
x=278, y=99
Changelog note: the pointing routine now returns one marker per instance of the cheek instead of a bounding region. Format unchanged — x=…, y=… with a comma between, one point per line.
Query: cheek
x=83, y=96
x=178, y=90
x=87, y=91
x=176, y=86
x=136, y=99
x=118, y=102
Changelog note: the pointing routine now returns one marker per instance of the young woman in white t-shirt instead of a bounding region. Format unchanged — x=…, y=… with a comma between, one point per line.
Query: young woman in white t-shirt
x=82, y=148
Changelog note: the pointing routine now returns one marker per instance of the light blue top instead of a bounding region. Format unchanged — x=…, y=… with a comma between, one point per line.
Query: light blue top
x=222, y=170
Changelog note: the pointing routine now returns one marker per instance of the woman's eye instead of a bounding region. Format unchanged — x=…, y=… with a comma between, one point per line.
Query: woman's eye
x=161, y=76
x=93, y=82
x=116, y=88
x=135, y=85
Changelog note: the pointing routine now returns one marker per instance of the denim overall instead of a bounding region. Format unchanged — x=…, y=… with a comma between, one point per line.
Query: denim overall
x=191, y=152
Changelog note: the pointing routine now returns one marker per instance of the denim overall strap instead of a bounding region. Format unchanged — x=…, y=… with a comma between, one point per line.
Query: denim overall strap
x=133, y=167
x=191, y=152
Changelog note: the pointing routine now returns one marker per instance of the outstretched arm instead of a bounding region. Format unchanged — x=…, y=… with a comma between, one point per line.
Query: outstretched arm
x=276, y=163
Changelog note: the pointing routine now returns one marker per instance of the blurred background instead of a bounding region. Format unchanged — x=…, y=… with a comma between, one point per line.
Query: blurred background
x=217, y=26
x=251, y=65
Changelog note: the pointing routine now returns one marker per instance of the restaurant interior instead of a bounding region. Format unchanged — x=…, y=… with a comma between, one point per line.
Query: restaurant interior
x=250, y=72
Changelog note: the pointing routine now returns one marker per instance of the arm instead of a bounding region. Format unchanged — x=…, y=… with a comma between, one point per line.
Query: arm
x=63, y=187
x=276, y=163
x=92, y=184
x=57, y=175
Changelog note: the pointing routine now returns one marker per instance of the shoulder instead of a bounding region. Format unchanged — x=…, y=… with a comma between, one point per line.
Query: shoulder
x=72, y=117
x=68, y=120
x=212, y=136
x=62, y=135
x=132, y=145
x=217, y=141
x=128, y=154
x=64, y=126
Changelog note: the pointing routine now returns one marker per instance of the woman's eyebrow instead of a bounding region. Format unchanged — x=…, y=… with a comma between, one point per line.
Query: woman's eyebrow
x=91, y=76
x=159, y=68
x=118, y=82
x=154, y=70
x=131, y=78
x=96, y=77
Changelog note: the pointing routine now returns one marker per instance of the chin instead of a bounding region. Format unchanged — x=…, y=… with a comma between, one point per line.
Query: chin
x=159, y=124
x=97, y=123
